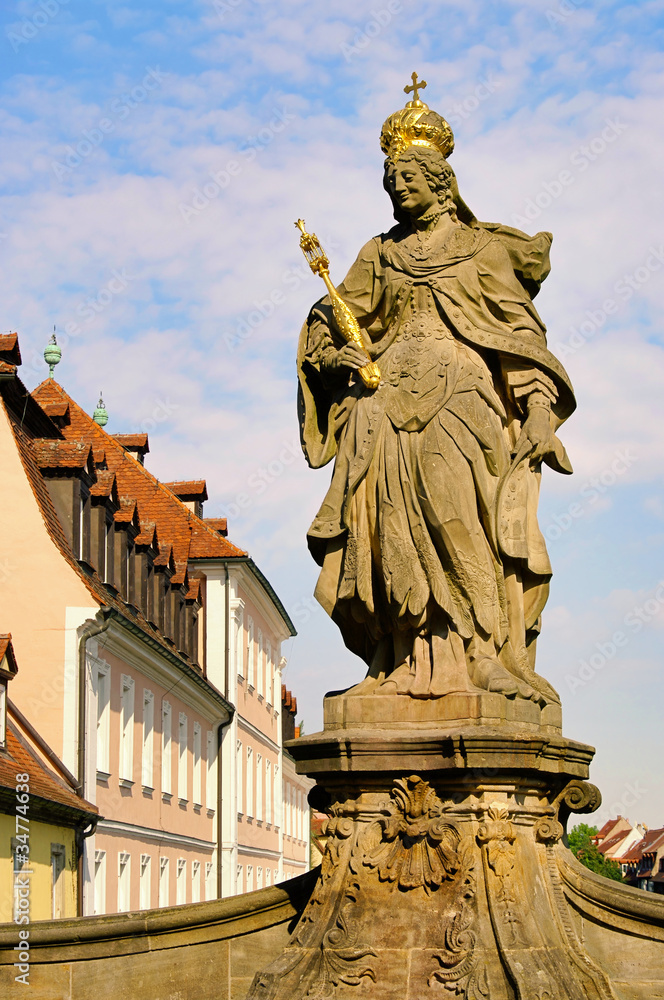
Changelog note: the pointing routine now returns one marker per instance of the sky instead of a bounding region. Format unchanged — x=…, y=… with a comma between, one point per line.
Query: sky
x=154, y=158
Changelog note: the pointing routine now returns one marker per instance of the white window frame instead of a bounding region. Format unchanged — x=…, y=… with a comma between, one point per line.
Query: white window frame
x=240, y=787
x=147, y=759
x=239, y=879
x=195, y=881
x=183, y=738
x=99, y=884
x=127, y=691
x=197, y=791
x=210, y=887
x=269, y=674
x=211, y=788
x=58, y=868
x=259, y=877
x=251, y=674
x=260, y=673
x=166, y=748
x=249, y=783
x=250, y=878
x=124, y=882
x=181, y=882
x=145, y=882
x=259, y=787
x=164, y=882
x=102, y=691
x=268, y=791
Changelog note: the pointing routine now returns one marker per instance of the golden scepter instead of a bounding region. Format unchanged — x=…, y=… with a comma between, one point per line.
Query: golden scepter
x=348, y=325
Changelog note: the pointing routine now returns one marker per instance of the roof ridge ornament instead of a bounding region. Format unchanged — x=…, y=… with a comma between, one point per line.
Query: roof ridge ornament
x=52, y=354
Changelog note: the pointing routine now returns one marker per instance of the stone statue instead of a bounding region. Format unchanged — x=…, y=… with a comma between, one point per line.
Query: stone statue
x=444, y=774
x=432, y=562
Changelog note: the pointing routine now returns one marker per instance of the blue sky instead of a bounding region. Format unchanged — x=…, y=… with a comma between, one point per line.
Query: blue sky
x=154, y=158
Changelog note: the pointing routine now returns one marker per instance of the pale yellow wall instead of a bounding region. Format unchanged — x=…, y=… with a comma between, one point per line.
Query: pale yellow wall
x=41, y=835
x=36, y=587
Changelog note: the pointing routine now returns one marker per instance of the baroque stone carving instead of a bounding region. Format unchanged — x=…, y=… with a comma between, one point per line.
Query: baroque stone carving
x=417, y=847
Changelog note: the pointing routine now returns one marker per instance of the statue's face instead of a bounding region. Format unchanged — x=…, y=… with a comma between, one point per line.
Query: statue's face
x=411, y=189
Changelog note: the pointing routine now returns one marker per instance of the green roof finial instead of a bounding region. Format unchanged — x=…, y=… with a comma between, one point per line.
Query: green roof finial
x=100, y=416
x=52, y=354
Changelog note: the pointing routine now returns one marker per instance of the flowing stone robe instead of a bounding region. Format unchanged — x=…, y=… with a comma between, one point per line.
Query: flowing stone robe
x=429, y=526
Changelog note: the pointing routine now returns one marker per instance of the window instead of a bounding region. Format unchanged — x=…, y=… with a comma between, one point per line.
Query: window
x=275, y=873
x=259, y=787
x=181, y=882
x=124, y=881
x=239, y=636
x=144, y=882
x=127, y=729
x=240, y=789
x=277, y=798
x=251, y=673
x=100, y=882
x=210, y=792
x=268, y=791
x=268, y=876
x=182, y=758
x=58, y=863
x=102, y=686
x=209, y=880
x=197, y=792
x=250, y=878
x=269, y=674
x=166, y=756
x=249, y=786
x=148, y=739
x=259, y=877
x=164, y=882
x=239, y=884
x=195, y=881
x=260, y=673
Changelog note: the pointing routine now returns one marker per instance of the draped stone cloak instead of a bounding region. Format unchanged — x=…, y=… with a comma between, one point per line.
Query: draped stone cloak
x=432, y=504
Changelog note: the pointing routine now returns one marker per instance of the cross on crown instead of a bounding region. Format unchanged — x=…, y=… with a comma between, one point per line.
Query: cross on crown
x=416, y=86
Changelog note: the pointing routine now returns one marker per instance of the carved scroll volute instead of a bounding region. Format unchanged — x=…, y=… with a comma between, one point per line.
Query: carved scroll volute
x=577, y=797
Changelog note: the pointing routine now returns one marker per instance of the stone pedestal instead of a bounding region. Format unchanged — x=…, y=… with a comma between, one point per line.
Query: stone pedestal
x=440, y=874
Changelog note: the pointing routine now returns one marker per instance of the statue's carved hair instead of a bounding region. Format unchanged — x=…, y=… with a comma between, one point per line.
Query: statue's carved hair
x=439, y=176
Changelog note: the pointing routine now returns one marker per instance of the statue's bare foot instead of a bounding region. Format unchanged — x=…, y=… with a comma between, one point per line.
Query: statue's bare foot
x=491, y=675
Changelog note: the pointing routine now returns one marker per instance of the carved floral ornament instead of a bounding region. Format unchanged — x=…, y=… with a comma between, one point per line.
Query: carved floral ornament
x=413, y=846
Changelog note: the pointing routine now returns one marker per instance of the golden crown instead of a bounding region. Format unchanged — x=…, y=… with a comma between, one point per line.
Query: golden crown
x=416, y=125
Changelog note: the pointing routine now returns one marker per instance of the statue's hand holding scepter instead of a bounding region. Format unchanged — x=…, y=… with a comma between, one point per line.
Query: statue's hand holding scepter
x=354, y=354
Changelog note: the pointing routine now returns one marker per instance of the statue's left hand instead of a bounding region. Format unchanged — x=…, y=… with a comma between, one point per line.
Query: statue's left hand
x=537, y=429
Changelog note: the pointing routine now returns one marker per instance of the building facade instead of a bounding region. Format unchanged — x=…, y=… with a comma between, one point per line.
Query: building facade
x=152, y=656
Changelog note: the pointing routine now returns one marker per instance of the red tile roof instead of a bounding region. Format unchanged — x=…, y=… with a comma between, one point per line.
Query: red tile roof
x=219, y=524
x=61, y=454
x=653, y=841
x=7, y=650
x=133, y=442
x=58, y=409
x=606, y=829
x=9, y=349
x=176, y=525
x=45, y=784
x=105, y=485
x=613, y=842
x=194, y=489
